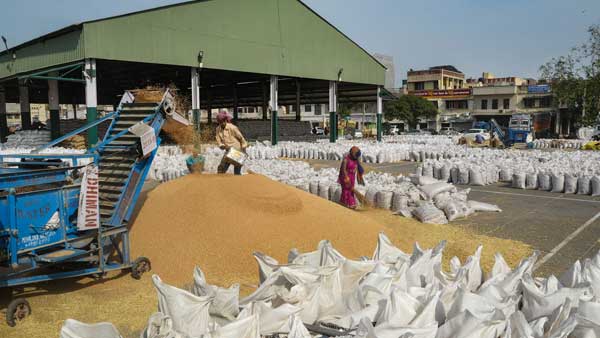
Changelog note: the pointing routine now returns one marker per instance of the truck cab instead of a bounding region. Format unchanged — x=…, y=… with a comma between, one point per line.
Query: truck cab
x=519, y=128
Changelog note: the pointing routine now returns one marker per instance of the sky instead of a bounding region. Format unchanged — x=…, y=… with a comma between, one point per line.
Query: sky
x=504, y=37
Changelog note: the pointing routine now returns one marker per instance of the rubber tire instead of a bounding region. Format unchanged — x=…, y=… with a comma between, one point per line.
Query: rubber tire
x=139, y=266
x=12, y=308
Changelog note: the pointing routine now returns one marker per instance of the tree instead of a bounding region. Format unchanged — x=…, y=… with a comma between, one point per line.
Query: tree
x=575, y=79
x=409, y=108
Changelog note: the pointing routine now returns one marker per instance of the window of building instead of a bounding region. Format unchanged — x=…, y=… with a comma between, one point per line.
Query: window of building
x=307, y=108
x=495, y=104
x=506, y=104
x=457, y=104
x=529, y=102
x=483, y=104
x=317, y=109
x=419, y=85
x=546, y=102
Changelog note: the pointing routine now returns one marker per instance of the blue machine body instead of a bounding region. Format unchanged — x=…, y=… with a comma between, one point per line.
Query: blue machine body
x=39, y=201
x=519, y=129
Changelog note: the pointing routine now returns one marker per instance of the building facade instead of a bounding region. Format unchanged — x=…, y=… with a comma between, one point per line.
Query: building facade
x=445, y=87
x=460, y=102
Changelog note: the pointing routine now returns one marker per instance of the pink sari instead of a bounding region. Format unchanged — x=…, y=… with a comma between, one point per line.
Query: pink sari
x=347, y=199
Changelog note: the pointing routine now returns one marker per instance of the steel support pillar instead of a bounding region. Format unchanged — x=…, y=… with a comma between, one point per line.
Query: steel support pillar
x=557, y=125
x=91, y=100
x=3, y=117
x=54, y=107
x=332, y=111
x=25, y=108
x=298, y=113
x=273, y=106
x=195, y=75
x=379, y=114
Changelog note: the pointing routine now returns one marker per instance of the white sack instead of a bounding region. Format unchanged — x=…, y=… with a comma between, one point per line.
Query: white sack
x=518, y=180
x=428, y=213
x=159, y=326
x=558, y=183
x=481, y=206
x=570, y=184
x=226, y=301
x=189, y=312
x=431, y=190
x=76, y=329
x=596, y=186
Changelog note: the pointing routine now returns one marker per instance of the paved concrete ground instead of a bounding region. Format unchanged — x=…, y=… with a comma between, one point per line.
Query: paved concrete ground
x=562, y=227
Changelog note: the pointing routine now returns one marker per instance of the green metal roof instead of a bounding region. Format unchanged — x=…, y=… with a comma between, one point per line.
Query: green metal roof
x=280, y=37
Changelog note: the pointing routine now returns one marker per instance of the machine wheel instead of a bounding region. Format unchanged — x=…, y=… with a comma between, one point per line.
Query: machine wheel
x=17, y=311
x=139, y=266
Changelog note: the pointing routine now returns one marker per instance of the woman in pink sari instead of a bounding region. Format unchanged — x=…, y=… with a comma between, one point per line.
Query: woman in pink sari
x=350, y=172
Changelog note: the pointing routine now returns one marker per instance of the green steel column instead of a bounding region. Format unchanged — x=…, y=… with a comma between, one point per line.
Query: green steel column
x=91, y=100
x=54, y=107
x=92, y=134
x=332, y=127
x=379, y=127
x=274, y=128
x=24, y=103
x=297, y=105
x=274, y=105
x=379, y=114
x=265, y=103
x=196, y=117
x=3, y=117
x=332, y=111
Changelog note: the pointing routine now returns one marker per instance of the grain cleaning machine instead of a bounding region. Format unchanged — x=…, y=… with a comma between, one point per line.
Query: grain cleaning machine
x=64, y=216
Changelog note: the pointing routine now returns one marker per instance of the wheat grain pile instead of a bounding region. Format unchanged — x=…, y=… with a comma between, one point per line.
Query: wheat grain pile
x=217, y=222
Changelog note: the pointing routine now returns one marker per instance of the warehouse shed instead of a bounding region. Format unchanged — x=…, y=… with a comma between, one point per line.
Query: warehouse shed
x=223, y=53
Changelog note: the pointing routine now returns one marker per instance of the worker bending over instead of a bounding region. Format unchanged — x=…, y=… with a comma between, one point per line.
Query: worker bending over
x=351, y=171
x=229, y=136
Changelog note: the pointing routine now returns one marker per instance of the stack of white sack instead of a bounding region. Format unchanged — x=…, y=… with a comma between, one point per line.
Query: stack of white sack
x=372, y=152
x=388, y=295
x=28, y=139
x=558, y=144
x=557, y=171
x=168, y=164
x=52, y=150
x=585, y=133
x=393, y=149
x=428, y=200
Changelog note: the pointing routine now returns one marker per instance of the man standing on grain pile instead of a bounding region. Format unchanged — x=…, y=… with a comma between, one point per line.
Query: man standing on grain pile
x=229, y=136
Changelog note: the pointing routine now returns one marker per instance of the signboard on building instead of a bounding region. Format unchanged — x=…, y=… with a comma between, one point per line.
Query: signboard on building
x=541, y=89
x=442, y=93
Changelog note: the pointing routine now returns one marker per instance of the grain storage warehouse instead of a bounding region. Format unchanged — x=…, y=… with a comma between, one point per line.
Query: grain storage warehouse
x=224, y=53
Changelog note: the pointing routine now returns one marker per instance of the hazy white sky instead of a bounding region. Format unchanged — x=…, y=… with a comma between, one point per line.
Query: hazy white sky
x=505, y=37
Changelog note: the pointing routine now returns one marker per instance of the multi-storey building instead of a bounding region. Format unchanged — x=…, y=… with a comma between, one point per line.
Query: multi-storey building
x=445, y=87
x=460, y=101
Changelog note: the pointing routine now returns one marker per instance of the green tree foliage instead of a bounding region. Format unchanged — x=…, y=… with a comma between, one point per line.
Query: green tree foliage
x=409, y=108
x=575, y=78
